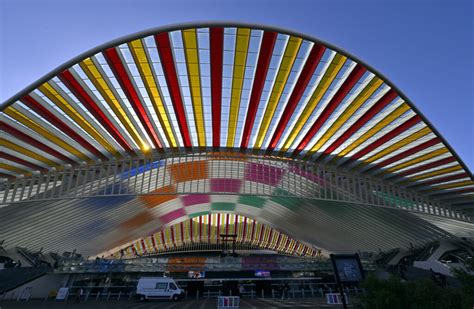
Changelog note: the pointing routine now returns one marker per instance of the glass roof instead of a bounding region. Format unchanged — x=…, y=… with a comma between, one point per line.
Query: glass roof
x=224, y=87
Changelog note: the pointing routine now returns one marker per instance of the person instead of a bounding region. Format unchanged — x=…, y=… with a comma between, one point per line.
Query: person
x=18, y=264
x=286, y=288
x=78, y=296
x=241, y=290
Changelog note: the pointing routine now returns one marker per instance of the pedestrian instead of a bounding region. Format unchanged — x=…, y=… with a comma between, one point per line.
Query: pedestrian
x=79, y=293
x=282, y=292
x=241, y=290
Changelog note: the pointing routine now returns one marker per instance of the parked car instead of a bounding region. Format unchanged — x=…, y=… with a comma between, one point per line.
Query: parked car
x=158, y=288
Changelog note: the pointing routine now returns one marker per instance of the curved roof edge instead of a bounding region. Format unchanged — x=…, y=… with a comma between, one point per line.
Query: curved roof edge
x=178, y=26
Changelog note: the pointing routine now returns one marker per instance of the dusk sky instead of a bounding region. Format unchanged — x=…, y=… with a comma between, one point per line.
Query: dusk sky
x=425, y=47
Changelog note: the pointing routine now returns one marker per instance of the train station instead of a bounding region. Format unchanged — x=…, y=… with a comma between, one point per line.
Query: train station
x=215, y=160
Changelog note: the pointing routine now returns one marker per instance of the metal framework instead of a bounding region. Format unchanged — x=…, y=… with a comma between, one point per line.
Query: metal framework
x=220, y=174
x=204, y=233
x=172, y=122
x=244, y=87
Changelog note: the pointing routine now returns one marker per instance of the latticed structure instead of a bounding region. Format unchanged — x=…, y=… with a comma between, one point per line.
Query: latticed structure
x=156, y=128
x=206, y=233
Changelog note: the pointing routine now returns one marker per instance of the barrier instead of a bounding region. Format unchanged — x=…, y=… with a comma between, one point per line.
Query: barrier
x=250, y=293
x=228, y=302
x=112, y=293
x=335, y=299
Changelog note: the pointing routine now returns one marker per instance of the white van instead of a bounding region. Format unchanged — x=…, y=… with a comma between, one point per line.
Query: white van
x=158, y=288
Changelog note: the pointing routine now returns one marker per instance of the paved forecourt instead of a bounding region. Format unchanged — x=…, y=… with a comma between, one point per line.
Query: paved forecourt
x=185, y=304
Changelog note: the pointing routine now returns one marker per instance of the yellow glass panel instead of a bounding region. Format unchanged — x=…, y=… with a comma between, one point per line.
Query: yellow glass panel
x=456, y=185
x=146, y=73
x=417, y=160
x=18, y=116
x=100, y=84
x=186, y=231
x=329, y=76
x=405, y=141
x=438, y=172
x=192, y=63
x=241, y=47
x=403, y=108
x=149, y=245
x=284, y=71
x=27, y=152
x=56, y=98
x=13, y=169
x=168, y=237
x=373, y=85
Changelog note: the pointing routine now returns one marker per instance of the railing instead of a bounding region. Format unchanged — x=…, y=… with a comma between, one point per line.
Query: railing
x=190, y=174
x=160, y=264
x=274, y=290
x=213, y=245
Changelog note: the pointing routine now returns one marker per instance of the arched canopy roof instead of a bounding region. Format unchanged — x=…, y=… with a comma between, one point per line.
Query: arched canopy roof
x=224, y=88
x=206, y=230
x=218, y=86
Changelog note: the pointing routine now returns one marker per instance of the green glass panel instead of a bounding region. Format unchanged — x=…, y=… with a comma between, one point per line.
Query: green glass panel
x=223, y=206
x=197, y=214
x=285, y=199
x=254, y=201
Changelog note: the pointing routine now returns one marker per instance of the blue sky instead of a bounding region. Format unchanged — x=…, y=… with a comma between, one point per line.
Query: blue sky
x=425, y=47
